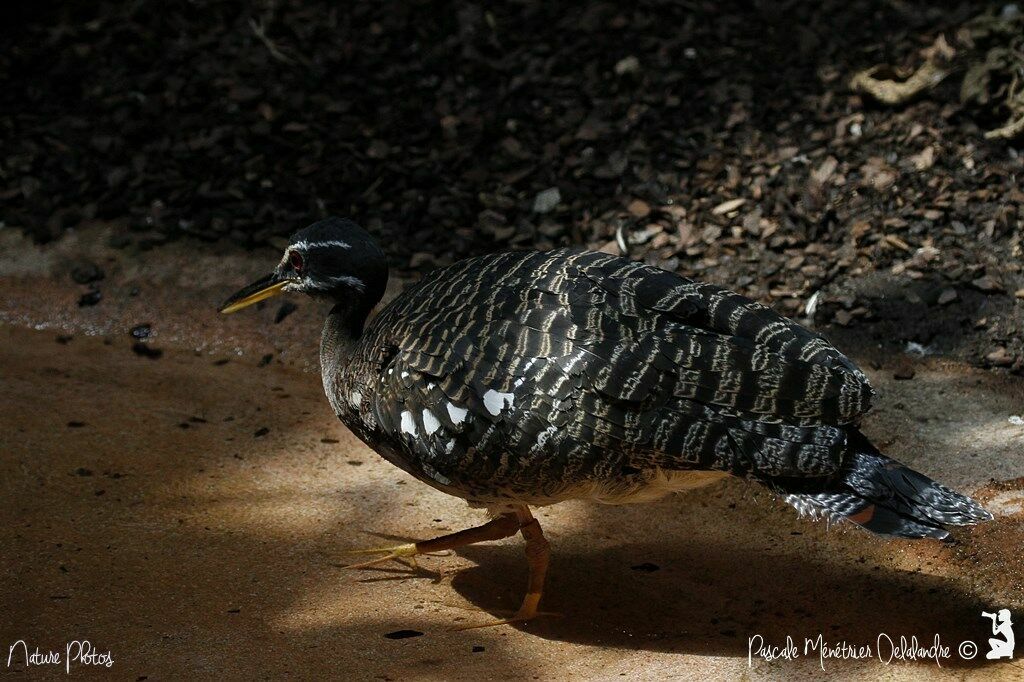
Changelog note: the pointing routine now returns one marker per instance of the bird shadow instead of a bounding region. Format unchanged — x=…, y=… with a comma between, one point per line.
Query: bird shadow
x=710, y=600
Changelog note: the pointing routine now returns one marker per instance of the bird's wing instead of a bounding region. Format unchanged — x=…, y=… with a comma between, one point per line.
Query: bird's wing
x=563, y=367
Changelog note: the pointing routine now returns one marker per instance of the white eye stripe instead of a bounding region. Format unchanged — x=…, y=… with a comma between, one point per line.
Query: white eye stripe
x=310, y=283
x=353, y=282
x=305, y=246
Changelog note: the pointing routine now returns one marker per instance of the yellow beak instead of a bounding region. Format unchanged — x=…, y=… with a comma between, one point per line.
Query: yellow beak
x=260, y=290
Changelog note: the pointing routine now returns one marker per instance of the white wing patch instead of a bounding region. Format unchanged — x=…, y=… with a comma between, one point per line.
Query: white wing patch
x=430, y=422
x=496, y=401
x=408, y=423
x=457, y=414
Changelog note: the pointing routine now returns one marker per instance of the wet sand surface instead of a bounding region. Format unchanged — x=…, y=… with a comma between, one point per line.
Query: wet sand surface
x=191, y=513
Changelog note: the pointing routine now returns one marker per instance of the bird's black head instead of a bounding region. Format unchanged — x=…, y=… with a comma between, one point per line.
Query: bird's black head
x=333, y=259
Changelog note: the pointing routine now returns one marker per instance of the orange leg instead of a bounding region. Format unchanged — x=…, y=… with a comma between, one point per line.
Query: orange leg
x=504, y=526
x=538, y=554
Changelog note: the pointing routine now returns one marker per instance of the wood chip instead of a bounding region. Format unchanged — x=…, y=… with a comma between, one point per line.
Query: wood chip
x=638, y=208
x=1000, y=357
x=988, y=283
x=728, y=206
x=897, y=242
x=824, y=172
x=924, y=160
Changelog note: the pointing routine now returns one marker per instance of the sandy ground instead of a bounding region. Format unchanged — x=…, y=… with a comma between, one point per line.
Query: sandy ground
x=192, y=513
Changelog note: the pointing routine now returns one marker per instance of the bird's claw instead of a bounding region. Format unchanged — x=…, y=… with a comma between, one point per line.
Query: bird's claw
x=406, y=551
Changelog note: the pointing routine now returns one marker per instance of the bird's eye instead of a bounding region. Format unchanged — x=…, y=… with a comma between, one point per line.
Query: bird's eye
x=295, y=259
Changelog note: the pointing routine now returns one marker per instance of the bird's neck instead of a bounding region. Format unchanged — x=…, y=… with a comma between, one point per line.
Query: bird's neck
x=337, y=348
x=353, y=305
x=343, y=328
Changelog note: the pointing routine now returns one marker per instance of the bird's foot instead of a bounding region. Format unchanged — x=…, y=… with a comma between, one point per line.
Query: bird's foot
x=396, y=553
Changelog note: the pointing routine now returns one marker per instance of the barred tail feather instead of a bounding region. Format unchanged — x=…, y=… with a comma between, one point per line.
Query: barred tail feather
x=883, y=496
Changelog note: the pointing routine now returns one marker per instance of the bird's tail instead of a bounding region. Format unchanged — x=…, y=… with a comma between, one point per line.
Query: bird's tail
x=882, y=496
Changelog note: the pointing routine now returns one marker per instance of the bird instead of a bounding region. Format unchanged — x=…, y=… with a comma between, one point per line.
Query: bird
x=523, y=379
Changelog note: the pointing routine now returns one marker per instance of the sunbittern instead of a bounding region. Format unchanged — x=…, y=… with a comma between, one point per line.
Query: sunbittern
x=529, y=378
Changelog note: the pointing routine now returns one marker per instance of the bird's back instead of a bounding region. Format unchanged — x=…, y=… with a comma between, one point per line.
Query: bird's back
x=535, y=375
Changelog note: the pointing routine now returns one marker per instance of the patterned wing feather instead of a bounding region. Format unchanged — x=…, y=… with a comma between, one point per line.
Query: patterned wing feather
x=524, y=374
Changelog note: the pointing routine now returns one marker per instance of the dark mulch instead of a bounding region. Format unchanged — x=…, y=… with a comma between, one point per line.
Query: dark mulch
x=438, y=124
